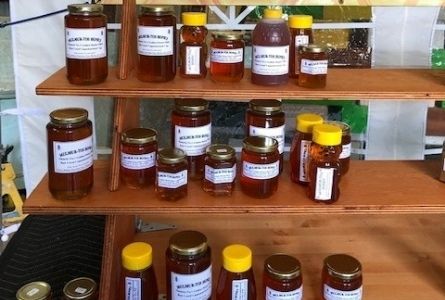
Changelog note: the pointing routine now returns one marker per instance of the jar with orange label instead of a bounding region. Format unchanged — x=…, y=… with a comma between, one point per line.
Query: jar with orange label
x=171, y=174
x=219, y=170
x=313, y=67
x=227, y=57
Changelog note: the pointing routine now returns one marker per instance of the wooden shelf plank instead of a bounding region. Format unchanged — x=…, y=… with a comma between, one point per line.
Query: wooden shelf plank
x=352, y=84
x=369, y=187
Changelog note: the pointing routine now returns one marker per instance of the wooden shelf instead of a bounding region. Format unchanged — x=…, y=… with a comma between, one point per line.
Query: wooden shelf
x=343, y=84
x=369, y=187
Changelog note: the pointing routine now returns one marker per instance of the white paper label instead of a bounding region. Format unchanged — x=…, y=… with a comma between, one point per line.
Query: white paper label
x=80, y=290
x=333, y=294
x=32, y=292
x=305, y=147
x=240, y=289
x=86, y=43
x=138, y=162
x=301, y=40
x=155, y=40
x=193, y=140
x=192, y=287
x=133, y=288
x=261, y=171
x=345, y=151
x=323, y=183
x=73, y=157
x=314, y=67
x=192, y=60
x=274, y=132
x=270, y=60
x=272, y=294
x=216, y=176
x=171, y=180
x=226, y=56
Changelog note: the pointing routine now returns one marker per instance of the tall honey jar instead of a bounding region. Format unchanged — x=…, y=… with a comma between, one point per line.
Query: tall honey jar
x=227, y=57
x=171, y=174
x=37, y=290
x=86, y=44
x=313, y=67
x=345, y=154
x=70, y=153
x=300, y=27
x=219, y=170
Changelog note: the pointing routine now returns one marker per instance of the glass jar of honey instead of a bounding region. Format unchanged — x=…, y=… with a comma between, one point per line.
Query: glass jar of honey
x=219, y=170
x=37, y=290
x=70, y=153
x=138, y=157
x=345, y=155
x=282, y=278
x=313, y=67
x=300, y=27
x=171, y=174
x=82, y=288
x=86, y=44
x=188, y=266
x=342, y=278
x=227, y=57
x=260, y=162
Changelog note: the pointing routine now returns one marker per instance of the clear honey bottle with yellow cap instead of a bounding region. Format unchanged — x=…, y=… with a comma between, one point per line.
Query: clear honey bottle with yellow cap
x=301, y=35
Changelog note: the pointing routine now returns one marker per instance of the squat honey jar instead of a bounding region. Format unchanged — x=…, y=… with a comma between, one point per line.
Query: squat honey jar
x=219, y=170
x=313, y=67
x=171, y=174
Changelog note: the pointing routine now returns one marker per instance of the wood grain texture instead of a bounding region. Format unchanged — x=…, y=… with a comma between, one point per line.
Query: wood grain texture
x=404, y=84
x=369, y=187
x=127, y=45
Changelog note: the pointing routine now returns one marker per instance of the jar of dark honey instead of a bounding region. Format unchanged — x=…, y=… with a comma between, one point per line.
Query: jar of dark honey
x=188, y=266
x=282, y=278
x=260, y=162
x=313, y=67
x=156, y=38
x=171, y=174
x=342, y=278
x=219, y=170
x=227, y=57
x=345, y=155
x=138, y=157
x=37, y=290
x=86, y=44
x=70, y=153
x=82, y=288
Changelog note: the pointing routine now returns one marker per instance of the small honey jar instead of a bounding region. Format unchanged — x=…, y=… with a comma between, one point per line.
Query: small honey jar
x=171, y=174
x=219, y=170
x=313, y=67
x=37, y=290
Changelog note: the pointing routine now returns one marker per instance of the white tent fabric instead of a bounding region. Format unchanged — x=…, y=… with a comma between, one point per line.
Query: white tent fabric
x=39, y=51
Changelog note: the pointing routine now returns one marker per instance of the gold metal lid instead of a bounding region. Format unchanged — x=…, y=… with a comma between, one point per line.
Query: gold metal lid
x=220, y=152
x=139, y=136
x=283, y=266
x=85, y=9
x=171, y=155
x=265, y=105
x=260, y=144
x=188, y=243
x=163, y=9
x=345, y=128
x=227, y=35
x=65, y=116
x=82, y=288
x=191, y=105
x=37, y=290
x=343, y=266
x=312, y=48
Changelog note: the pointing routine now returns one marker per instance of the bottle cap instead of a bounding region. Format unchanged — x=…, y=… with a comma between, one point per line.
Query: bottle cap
x=66, y=116
x=85, y=9
x=237, y=258
x=282, y=266
x=171, y=156
x=260, y=144
x=139, y=136
x=346, y=129
x=266, y=106
x=305, y=122
x=220, y=152
x=273, y=13
x=137, y=256
x=343, y=266
x=300, y=21
x=161, y=10
x=313, y=48
x=194, y=18
x=37, y=290
x=188, y=243
x=191, y=105
x=82, y=288
x=326, y=135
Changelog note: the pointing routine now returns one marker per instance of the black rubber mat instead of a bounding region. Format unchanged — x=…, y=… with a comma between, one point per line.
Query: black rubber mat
x=54, y=249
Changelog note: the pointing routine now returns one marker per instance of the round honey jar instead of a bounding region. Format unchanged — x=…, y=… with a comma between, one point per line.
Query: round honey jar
x=81, y=288
x=171, y=174
x=313, y=67
x=227, y=57
x=37, y=290
x=219, y=170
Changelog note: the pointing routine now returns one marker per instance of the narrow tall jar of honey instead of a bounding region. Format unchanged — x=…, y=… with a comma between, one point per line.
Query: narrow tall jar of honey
x=301, y=35
x=345, y=155
x=227, y=57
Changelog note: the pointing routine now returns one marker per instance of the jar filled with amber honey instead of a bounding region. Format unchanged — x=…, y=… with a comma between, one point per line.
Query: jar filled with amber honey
x=70, y=153
x=345, y=155
x=86, y=44
x=37, y=290
x=138, y=157
x=219, y=170
x=171, y=174
x=227, y=57
x=313, y=67
x=300, y=27
x=82, y=288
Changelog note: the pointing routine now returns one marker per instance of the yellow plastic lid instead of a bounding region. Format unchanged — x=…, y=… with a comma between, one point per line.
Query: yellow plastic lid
x=237, y=258
x=300, y=21
x=326, y=135
x=137, y=256
x=305, y=122
x=273, y=13
x=194, y=18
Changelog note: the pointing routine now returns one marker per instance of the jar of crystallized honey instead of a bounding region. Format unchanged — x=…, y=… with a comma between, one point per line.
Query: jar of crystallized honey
x=313, y=67
x=227, y=57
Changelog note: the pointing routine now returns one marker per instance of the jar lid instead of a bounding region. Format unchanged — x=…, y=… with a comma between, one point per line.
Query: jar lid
x=313, y=48
x=37, y=290
x=220, y=152
x=300, y=21
x=171, y=155
x=265, y=105
x=273, y=13
x=260, y=144
x=326, y=135
x=188, y=243
x=228, y=35
x=237, y=258
x=343, y=266
x=191, y=105
x=139, y=136
x=82, y=288
x=194, y=18
x=345, y=128
x=85, y=9
x=305, y=122
x=137, y=256
x=163, y=9
x=283, y=266
x=72, y=115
